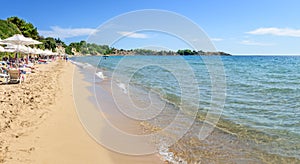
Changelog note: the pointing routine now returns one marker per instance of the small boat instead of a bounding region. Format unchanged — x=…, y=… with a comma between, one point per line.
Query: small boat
x=105, y=56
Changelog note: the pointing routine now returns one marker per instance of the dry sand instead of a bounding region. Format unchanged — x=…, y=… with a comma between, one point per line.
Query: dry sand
x=39, y=124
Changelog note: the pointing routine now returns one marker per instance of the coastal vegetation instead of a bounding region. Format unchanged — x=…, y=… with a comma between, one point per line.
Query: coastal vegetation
x=26, y=29
x=8, y=29
x=15, y=25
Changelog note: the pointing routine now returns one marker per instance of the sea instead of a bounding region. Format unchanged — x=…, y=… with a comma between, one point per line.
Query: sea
x=254, y=101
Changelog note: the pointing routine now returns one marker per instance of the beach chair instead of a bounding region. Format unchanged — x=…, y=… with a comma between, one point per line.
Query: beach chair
x=15, y=76
x=4, y=78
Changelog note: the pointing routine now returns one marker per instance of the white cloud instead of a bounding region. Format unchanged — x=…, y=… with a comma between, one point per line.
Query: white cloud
x=133, y=34
x=216, y=39
x=254, y=43
x=58, y=32
x=276, y=31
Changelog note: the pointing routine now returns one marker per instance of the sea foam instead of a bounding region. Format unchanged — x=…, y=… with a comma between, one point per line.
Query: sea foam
x=123, y=87
x=100, y=75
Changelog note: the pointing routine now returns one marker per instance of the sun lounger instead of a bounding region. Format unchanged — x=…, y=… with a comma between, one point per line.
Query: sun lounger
x=41, y=61
x=4, y=78
x=15, y=76
x=25, y=70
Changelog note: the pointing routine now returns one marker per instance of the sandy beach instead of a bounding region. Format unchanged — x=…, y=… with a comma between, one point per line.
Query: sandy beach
x=39, y=123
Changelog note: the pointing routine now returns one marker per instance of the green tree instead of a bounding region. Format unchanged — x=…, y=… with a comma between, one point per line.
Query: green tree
x=27, y=29
x=60, y=42
x=76, y=45
x=68, y=50
x=8, y=29
x=48, y=43
x=187, y=52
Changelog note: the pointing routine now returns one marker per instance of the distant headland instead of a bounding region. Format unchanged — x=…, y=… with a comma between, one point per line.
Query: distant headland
x=90, y=49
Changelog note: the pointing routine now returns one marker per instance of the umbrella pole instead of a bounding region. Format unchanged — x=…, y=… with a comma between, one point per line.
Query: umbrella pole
x=18, y=58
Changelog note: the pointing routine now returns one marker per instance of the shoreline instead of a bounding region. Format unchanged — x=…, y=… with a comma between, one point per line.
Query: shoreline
x=109, y=55
x=55, y=134
x=93, y=117
x=235, y=145
x=48, y=129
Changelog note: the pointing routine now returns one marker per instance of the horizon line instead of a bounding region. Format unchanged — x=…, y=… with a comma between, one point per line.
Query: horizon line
x=264, y=54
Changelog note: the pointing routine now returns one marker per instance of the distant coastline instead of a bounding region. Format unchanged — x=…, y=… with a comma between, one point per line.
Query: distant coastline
x=15, y=25
x=146, y=52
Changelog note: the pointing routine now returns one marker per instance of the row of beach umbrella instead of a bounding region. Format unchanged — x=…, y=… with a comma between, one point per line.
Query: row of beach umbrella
x=18, y=43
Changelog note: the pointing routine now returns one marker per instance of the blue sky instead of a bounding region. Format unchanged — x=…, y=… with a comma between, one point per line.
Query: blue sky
x=234, y=26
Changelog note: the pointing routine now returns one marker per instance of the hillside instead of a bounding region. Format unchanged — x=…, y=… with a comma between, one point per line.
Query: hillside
x=8, y=29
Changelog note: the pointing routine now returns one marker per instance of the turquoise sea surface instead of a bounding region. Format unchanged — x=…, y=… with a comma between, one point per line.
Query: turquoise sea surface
x=260, y=121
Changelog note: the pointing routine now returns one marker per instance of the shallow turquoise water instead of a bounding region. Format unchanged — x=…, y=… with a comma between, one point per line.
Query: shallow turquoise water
x=262, y=92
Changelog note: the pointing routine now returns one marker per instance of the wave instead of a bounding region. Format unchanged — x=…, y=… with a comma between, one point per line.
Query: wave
x=123, y=87
x=81, y=65
x=100, y=75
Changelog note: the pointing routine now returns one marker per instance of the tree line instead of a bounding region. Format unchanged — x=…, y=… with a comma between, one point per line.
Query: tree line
x=15, y=25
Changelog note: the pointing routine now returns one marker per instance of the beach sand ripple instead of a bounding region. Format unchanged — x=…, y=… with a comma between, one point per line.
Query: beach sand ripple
x=24, y=106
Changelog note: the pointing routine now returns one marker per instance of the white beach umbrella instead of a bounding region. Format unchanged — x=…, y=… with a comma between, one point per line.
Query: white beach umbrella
x=47, y=52
x=19, y=40
x=1, y=49
x=40, y=51
x=8, y=50
x=36, y=51
x=43, y=53
x=29, y=50
x=32, y=41
x=16, y=48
